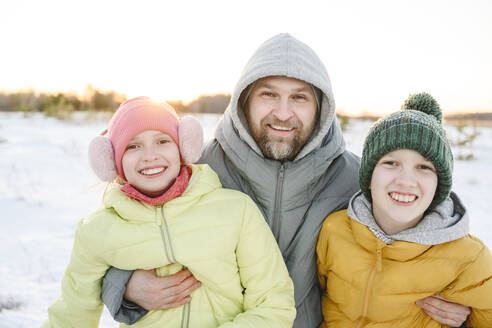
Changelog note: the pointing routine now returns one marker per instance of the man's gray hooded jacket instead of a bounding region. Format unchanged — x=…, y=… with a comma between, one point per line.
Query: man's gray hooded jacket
x=294, y=196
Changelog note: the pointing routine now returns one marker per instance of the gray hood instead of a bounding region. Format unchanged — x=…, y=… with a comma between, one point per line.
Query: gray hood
x=283, y=55
x=447, y=222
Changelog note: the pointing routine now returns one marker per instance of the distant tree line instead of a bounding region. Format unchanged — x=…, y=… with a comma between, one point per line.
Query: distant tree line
x=97, y=100
x=216, y=103
x=51, y=104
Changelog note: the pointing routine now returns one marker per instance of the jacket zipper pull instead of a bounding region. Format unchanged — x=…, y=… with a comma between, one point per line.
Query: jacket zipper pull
x=379, y=258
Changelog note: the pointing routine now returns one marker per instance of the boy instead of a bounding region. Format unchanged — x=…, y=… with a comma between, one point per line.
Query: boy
x=405, y=234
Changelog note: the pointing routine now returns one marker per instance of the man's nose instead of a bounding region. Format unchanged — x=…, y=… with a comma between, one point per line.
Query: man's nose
x=283, y=110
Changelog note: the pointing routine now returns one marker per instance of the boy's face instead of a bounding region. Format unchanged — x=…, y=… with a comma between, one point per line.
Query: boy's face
x=403, y=185
x=281, y=114
x=151, y=162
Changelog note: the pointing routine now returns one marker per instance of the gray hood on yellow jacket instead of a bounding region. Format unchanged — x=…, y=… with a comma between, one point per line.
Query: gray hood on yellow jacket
x=448, y=221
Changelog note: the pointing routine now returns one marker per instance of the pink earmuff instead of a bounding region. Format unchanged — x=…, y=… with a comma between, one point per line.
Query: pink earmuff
x=101, y=158
x=190, y=136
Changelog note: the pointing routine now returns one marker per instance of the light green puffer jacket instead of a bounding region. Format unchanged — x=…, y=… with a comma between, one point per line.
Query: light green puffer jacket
x=219, y=234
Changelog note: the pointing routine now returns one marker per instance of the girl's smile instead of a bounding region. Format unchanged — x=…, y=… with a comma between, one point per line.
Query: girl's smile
x=152, y=171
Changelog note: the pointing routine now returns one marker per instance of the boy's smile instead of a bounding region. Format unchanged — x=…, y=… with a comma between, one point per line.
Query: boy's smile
x=403, y=198
x=151, y=162
x=402, y=187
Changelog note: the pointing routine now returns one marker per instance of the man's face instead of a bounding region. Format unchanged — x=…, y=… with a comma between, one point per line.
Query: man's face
x=281, y=114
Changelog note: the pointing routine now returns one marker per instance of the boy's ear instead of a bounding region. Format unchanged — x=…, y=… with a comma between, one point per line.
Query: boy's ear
x=101, y=158
x=190, y=136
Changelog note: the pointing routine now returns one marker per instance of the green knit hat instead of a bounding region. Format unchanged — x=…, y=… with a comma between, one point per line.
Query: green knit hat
x=418, y=127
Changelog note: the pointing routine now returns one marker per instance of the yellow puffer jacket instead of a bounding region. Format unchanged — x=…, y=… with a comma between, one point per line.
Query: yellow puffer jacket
x=219, y=234
x=367, y=283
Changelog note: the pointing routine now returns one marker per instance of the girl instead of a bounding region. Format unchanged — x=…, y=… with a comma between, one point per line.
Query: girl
x=164, y=212
x=405, y=235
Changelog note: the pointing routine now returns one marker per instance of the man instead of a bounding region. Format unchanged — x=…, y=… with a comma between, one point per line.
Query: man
x=280, y=142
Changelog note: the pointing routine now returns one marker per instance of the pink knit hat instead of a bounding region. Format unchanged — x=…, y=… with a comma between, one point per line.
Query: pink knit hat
x=137, y=115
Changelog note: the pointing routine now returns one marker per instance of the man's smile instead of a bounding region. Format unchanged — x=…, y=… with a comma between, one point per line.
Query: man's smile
x=280, y=130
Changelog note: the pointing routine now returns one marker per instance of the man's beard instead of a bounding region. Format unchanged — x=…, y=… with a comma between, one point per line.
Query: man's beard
x=276, y=147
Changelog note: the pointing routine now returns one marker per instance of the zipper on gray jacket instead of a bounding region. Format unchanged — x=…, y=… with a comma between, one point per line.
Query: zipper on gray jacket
x=278, y=199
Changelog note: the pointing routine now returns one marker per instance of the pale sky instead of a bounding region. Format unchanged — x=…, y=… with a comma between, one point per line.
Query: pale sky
x=376, y=52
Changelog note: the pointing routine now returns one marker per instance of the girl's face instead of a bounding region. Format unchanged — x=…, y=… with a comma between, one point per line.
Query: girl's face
x=403, y=185
x=151, y=162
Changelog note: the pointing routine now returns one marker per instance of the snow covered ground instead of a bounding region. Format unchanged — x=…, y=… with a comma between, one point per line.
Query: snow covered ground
x=46, y=186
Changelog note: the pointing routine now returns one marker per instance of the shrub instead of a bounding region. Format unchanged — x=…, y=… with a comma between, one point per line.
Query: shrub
x=463, y=140
x=9, y=303
x=344, y=122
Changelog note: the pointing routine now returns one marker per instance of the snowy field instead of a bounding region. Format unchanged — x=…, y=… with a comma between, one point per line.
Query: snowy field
x=46, y=186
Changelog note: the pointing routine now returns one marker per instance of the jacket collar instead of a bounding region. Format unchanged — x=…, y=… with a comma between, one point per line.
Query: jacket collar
x=447, y=222
x=176, y=189
x=399, y=251
x=203, y=180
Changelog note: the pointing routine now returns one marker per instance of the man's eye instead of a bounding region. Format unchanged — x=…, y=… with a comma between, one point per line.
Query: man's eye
x=130, y=147
x=299, y=97
x=267, y=94
x=163, y=141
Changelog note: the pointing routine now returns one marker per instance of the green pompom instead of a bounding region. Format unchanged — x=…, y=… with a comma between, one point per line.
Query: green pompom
x=425, y=103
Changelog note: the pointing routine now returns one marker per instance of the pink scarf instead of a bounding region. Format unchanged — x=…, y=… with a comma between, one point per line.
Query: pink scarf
x=178, y=187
